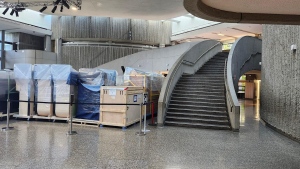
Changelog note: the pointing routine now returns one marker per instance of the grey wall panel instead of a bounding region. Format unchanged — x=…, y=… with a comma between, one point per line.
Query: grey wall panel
x=280, y=87
x=84, y=56
x=29, y=56
x=111, y=28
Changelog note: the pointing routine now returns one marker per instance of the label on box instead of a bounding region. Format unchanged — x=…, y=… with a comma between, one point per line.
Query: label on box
x=134, y=98
x=145, y=98
x=112, y=92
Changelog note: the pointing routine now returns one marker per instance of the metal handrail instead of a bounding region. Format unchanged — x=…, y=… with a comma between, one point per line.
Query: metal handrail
x=182, y=62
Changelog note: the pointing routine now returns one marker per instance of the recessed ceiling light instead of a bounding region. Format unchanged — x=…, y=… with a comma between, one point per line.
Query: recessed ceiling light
x=220, y=34
x=73, y=8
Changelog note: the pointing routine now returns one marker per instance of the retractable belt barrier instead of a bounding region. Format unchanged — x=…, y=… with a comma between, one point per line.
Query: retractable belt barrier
x=70, y=132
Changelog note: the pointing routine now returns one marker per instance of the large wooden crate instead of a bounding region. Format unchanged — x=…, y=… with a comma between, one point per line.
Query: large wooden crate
x=120, y=115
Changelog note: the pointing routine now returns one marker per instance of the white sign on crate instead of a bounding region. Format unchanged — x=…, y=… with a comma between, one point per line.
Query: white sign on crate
x=112, y=92
x=145, y=98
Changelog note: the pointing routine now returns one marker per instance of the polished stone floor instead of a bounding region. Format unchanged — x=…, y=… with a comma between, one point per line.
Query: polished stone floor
x=40, y=145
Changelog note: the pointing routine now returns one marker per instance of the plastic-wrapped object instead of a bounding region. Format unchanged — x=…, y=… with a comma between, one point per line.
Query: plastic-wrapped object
x=43, y=89
x=89, y=90
x=88, y=94
x=24, y=84
x=98, y=76
x=149, y=80
x=61, y=90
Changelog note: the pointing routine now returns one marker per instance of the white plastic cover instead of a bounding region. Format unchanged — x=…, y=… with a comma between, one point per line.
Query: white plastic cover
x=43, y=91
x=42, y=72
x=96, y=76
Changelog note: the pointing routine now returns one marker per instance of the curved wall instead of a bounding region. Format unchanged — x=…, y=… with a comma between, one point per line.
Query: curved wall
x=280, y=83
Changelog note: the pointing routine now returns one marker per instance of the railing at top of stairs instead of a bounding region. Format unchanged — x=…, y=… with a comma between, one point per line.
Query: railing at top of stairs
x=188, y=63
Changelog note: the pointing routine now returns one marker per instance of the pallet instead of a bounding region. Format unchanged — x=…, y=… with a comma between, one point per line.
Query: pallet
x=16, y=115
x=53, y=118
x=84, y=122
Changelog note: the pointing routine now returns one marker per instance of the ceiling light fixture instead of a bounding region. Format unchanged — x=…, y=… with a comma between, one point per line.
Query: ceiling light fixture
x=61, y=8
x=4, y=12
x=12, y=12
x=43, y=9
x=65, y=4
x=54, y=9
x=19, y=7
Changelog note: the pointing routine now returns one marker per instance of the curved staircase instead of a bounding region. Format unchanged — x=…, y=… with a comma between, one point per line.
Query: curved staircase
x=199, y=100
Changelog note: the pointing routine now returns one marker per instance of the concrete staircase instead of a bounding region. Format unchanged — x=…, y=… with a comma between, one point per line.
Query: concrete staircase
x=199, y=100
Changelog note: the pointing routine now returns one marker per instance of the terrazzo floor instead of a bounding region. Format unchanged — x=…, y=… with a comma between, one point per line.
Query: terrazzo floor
x=36, y=144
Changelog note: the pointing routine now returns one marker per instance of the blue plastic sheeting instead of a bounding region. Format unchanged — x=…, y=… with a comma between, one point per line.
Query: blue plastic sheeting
x=88, y=94
x=73, y=78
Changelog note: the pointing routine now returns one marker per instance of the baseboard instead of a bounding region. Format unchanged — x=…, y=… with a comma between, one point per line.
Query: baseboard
x=264, y=122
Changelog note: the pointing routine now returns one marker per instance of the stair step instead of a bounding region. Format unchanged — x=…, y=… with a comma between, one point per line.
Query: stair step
x=203, y=77
x=198, y=111
x=197, y=120
x=195, y=99
x=217, y=96
x=198, y=115
x=202, y=103
x=187, y=90
x=196, y=107
x=199, y=87
x=198, y=125
x=208, y=88
x=202, y=82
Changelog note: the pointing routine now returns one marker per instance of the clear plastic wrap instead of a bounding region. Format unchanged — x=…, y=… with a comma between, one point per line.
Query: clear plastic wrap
x=61, y=90
x=24, y=84
x=101, y=77
x=149, y=80
x=90, y=82
x=43, y=89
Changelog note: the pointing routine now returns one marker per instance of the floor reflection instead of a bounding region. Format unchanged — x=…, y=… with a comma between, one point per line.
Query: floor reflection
x=249, y=109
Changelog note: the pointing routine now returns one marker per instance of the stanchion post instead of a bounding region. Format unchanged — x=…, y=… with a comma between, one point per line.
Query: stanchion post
x=71, y=132
x=8, y=115
x=8, y=104
x=140, y=133
x=152, y=115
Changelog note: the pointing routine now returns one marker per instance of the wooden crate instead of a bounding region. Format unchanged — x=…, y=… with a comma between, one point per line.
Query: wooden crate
x=120, y=115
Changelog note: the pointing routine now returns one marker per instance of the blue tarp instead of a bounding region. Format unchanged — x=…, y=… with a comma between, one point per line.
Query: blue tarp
x=88, y=94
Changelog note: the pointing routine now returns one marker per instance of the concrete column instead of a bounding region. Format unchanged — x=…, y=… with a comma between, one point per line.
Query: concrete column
x=47, y=43
x=3, y=50
x=58, y=45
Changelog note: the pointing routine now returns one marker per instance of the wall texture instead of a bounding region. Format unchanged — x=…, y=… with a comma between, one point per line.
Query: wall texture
x=111, y=28
x=84, y=56
x=280, y=85
x=105, y=29
x=155, y=60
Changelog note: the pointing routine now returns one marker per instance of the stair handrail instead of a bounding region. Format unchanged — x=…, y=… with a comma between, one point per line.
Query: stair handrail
x=232, y=104
x=167, y=87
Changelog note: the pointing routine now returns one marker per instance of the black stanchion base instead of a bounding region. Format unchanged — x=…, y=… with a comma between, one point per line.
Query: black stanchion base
x=7, y=128
x=140, y=134
x=71, y=133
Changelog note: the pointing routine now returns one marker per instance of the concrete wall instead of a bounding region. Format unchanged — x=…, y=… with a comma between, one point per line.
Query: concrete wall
x=154, y=60
x=280, y=84
x=29, y=56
